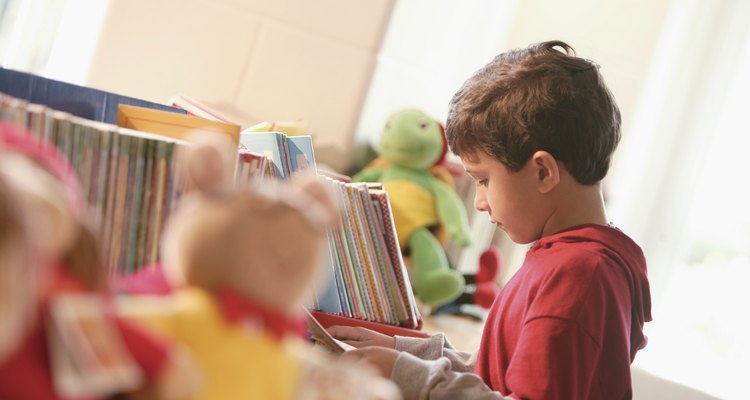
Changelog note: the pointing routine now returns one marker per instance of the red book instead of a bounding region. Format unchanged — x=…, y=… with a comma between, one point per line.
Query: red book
x=328, y=320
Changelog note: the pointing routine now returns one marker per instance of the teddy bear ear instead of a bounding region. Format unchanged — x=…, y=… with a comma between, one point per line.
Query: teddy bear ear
x=209, y=162
x=320, y=194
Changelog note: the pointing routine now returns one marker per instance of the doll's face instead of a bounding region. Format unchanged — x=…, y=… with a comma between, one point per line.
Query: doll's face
x=266, y=249
x=265, y=243
x=17, y=295
x=51, y=221
x=411, y=139
x=286, y=265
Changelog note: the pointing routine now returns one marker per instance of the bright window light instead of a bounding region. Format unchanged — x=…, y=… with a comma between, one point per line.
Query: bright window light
x=702, y=338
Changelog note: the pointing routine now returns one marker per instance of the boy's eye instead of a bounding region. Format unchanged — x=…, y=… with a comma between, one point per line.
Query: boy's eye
x=481, y=182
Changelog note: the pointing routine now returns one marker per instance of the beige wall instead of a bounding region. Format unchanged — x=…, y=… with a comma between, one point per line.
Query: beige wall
x=257, y=60
x=619, y=35
x=433, y=46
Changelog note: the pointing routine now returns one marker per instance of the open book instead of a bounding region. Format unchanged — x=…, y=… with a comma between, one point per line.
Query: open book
x=322, y=337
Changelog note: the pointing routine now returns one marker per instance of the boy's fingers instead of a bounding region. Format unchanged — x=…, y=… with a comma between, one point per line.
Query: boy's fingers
x=354, y=343
x=348, y=333
x=353, y=355
x=340, y=332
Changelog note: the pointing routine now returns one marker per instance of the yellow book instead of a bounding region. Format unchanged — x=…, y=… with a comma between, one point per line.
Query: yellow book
x=171, y=124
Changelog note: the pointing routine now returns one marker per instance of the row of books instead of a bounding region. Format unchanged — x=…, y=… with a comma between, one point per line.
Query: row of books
x=81, y=101
x=368, y=280
x=131, y=182
x=128, y=178
x=286, y=154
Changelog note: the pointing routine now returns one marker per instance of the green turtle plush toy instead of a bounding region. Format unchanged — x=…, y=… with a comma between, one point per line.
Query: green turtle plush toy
x=410, y=149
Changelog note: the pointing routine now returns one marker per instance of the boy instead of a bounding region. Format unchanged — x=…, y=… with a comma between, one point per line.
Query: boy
x=536, y=129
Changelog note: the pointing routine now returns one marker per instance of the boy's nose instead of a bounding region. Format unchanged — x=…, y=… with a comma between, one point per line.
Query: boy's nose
x=480, y=200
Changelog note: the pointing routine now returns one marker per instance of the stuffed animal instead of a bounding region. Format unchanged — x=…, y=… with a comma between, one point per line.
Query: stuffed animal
x=481, y=288
x=243, y=262
x=411, y=148
x=17, y=289
x=58, y=253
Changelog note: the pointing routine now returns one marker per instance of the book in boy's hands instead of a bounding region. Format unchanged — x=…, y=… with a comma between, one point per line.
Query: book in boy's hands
x=321, y=336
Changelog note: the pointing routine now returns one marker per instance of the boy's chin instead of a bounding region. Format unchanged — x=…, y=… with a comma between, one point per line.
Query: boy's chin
x=519, y=238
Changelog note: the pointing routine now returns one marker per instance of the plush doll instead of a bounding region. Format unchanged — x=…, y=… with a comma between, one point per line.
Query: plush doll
x=243, y=262
x=481, y=288
x=411, y=147
x=17, y=288
x=61, y=257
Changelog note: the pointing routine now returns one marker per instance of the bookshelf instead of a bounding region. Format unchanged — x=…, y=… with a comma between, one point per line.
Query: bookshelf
x=131, y=182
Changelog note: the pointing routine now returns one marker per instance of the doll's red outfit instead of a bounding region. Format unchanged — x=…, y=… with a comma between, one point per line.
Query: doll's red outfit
x=27, y=373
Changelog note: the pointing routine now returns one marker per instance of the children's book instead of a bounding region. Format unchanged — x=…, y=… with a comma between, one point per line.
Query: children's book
x=300, y=153
x=85, y=102
x=271, y=146
x=196, y=108
x=170, y=124
x=321, y=336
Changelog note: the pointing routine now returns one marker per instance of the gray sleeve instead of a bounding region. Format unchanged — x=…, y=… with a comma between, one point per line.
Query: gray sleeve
x=421, y=379
x=435, y=347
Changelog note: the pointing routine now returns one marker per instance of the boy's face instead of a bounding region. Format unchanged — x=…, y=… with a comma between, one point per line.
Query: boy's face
x=511, y=199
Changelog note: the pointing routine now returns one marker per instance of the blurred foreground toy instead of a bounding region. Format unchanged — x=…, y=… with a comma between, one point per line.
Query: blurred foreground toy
x=72, y=345
x=243, y=262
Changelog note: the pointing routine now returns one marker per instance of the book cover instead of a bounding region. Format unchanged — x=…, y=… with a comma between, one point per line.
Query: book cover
x=384, y=270
x=147, y=200
x=394, y=251
x=328, y=298
x=85, y=102
x=349, y=257
x=321, y=336
x=369, y=267
x=395, y=284
x=196, y=108
x=250, y=168
x=270, y=145
x=357, y=258
x=124, y=171
x=173, y=125
x=136, y=203
x=328, y=320
x=300, y=153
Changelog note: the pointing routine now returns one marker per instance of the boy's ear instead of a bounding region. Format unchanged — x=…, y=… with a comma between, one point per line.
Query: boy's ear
x=546, y=171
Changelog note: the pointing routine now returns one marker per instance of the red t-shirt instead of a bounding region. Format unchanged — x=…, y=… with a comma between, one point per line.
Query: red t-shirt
x=569, y=322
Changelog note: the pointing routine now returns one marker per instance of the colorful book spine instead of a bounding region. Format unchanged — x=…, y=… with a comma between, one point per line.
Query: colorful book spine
x=130, y=181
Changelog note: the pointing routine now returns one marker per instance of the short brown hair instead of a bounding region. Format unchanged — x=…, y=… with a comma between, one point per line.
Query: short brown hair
x=538, y=98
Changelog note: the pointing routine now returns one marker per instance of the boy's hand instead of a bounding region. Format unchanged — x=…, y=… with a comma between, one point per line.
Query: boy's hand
x=361, y=337
x=379, y=357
